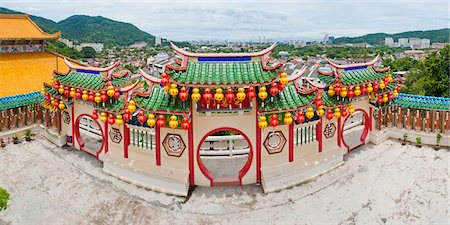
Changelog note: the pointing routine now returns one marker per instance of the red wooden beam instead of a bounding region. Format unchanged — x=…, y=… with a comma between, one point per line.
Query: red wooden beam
x=126, y=140
x=291, y=142
x=158, y=145
x=319, y=134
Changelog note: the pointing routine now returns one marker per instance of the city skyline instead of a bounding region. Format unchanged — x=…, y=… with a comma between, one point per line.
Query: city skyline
x=220, y=20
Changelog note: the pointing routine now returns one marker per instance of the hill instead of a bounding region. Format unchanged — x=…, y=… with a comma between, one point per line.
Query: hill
x=441, y=35
x=83, y=28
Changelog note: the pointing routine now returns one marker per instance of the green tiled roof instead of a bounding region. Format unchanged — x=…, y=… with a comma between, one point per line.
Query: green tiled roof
x=289, y=98
x=354, y=77
x=88, y=81
x=160, y=100
x=329, y=101
x=117, y=106
x=223, y=73
x=15, y=101
x=51, y=91
x=423, y=102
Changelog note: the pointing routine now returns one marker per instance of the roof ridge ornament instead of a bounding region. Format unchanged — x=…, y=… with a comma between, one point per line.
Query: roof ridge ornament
x=337, y=66
x=239, y=54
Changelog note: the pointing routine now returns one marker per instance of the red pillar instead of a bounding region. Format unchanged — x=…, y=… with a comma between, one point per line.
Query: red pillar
x=126, y=140
x=158, y=145
x=106, y=137
x=291, y=142
x=370, y=120
x=73, y=123
x=339, y=132
x=319, y=134
x=258, y=148
x=191, y=153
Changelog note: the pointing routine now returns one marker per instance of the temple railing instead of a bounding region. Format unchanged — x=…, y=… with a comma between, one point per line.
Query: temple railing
x=14, y=118
x=305, y=133
x=229, y=145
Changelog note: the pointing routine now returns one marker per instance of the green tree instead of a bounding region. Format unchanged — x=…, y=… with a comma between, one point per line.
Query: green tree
x=4, y=198
x=88, y=52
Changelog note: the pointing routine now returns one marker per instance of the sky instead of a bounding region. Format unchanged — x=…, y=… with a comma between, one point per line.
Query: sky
x=247, y=20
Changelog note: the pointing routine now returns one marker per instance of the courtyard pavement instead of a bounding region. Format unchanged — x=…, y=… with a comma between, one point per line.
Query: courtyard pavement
x=383, y=184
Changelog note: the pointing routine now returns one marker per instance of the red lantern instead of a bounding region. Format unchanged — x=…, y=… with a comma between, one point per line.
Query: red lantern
x=56, y=103
x=363, y=89
x=183, y=94
x=350, y=93
x=104, y=97
x=185, y=123
x=111, y=119
x=230, y=96
x=116, y=93
x=281, y=86
x=399, y=88
x=386, y=82
x=344, y=112
x=47, y=97
x=337, y=88
x=165, y=75
x=127, y=115
x=390, y=96
x=78, y=94
x=164, y=82
x=161, y=121
x=141, y=117
x=329, y=115
x=274, y=89
x=251, y=94
x=300, y=117
x=375, y=86
x=207, y=96
x=66, y=91
x=380, y=100
x=56, y=85
x=91, y=96
x=94, y=114
x=274, y=120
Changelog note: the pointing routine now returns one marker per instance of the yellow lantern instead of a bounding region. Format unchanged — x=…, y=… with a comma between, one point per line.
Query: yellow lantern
x=262, y=122
x=218, y=96
x=85, y=96
x=43, y=92
x=395, y=93
x=343, y=92
x=52, y=80
x=61, y=105
x=173, y=90
x=110, y=91
x=283, y=78
x=389, y=77
x=240, y=96
x=196, y=94
x=357, y=91
x=103, y=117
x=167, y=88
x=385, y=98
x=288, y=118
x=151, y=120
x=173, y=123
x=309, y=113
x=331, y=90
x=131, y=106
x=351, y=109
x=320, y=111
x=337, y=113
x=381, y=84
x=61, y=89
x=369, y=88
x=97, y=98
x=72, y=92
x=262, y=94
x=119, y=120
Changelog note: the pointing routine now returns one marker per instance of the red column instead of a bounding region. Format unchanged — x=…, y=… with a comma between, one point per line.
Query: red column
x=291, y=142
x=106, y=136
x=191, y=153
x=258, y=148
x=73, y=123
x=370, y=116
x=319, y=134
x=339, y=131
x=158, y=145
x=126, y=140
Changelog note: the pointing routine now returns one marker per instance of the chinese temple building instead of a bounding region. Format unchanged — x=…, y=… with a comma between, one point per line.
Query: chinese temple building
x=209, y=113
x=24, y=66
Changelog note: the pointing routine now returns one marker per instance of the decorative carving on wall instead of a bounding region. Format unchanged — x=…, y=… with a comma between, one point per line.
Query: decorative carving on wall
x=174, y=145
x=275, y=142
x=115, y=135
x=66, y=117
x=329, y=131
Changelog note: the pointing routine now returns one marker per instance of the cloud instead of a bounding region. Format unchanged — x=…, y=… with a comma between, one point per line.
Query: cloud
x=244, y=20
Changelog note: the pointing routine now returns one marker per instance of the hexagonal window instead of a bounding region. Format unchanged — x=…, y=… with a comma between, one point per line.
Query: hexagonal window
x=275, y=142
x=174, y=145
x=329, y=130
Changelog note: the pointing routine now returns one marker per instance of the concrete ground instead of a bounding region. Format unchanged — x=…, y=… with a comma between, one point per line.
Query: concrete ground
x=384, y=184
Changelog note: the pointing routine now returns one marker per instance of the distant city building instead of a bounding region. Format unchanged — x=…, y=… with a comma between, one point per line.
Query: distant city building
x=158, y=41
x=414, y=43
x=425, y=43
x=403, y=42
x=141, y=44
x=98, y=47
x=67, y=42
x=389, y=41
x=283, y=54
x=437, y=45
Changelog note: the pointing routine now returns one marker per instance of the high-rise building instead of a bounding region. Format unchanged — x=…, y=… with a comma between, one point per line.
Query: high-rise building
x=389, y=41
x=403, y=42
x=157, y=41
x=425, y=43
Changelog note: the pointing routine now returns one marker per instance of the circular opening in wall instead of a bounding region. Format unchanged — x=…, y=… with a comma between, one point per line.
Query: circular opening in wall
x=90, y=135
